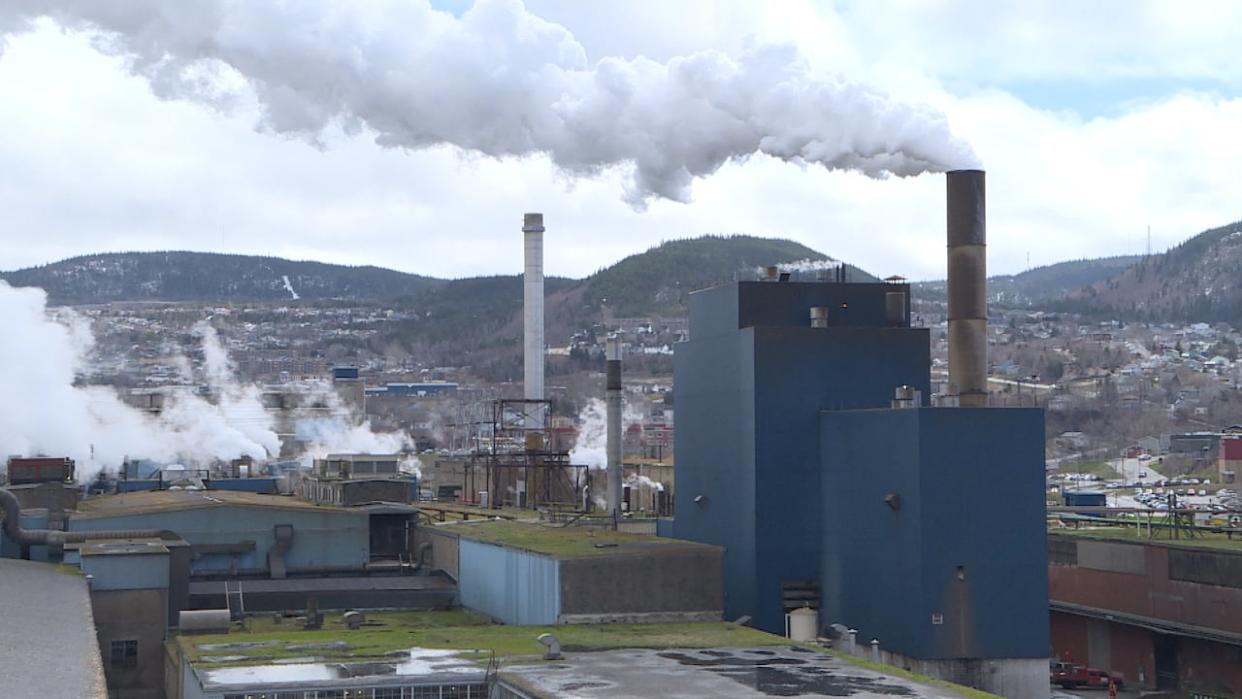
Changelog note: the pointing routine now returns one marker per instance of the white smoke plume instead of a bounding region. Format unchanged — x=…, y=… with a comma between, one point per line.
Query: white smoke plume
x=809, y=265
x=637, y=480
x=591, y=446
x=505, y=83
x=92, y=425
x=338, y=434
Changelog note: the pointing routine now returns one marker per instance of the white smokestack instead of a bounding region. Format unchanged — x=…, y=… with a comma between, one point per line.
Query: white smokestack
x=532, y=304
x=503, y=82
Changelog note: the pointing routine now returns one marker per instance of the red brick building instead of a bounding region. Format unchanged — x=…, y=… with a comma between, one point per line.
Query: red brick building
x=1166, y=615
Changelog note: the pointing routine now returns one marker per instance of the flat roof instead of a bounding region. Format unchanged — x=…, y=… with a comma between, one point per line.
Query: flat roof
x=144, y=502
x=47, y=610
x=561, y=541
x=701, y=659
x=739, y=673
x=122, y=547
x=266, y=641
x=1161, y=536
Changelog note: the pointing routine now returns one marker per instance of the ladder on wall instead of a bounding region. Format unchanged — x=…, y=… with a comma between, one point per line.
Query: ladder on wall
x=234, y=600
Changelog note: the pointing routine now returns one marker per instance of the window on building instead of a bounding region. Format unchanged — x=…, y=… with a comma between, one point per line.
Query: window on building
x=388, y=693
x=124, y=654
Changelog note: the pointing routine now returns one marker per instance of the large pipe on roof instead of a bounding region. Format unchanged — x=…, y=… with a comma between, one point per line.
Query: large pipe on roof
x=532, y=303
x=613, y=397
x=50, y=537
x=967, y=287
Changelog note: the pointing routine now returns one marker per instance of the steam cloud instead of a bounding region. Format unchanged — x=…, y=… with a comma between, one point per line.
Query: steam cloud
x=505, y=83
x=591, y=446
x=92, y=425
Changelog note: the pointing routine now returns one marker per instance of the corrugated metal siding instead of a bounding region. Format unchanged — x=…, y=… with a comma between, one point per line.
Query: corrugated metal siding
x=512, y=586
x=326, y=537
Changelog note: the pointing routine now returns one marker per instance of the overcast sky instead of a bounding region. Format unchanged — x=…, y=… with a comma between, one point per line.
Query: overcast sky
x=1094, y=120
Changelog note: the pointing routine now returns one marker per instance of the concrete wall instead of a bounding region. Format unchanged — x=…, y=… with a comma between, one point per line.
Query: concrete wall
x=139, y=615
x=642, y=587
x=321, y=537
x=956, y=571
x=511, y=586
x=444, y=549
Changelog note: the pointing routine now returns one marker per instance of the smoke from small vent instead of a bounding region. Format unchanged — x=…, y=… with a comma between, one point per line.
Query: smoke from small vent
x=505, y=83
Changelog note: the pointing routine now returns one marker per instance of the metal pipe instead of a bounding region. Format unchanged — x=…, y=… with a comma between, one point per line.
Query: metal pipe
x=613, y=396
x=967, y=287
x=532, y=303
x=51, y=537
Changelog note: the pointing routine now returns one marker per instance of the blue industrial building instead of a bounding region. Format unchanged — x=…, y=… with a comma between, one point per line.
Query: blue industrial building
x=919, y=526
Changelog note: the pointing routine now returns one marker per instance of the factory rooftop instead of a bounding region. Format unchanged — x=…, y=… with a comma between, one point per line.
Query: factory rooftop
x=705, y=659
x=47, y=617
x=176, y=500
x=563, y=541
x=1219, y=540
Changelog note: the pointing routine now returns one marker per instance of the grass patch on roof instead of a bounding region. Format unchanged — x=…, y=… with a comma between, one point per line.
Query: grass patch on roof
x=1160, y=535
x=559, y=541
x=264, y=641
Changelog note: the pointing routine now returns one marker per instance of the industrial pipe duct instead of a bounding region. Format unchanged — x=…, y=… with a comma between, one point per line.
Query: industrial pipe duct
x=967, y=273
x=613, y=396
x=532, y=303
x=51, y=537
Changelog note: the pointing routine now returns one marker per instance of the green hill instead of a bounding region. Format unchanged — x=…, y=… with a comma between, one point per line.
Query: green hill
x=1196, y=281
x=1040, y=285
x=657, y=281
x=199, y=276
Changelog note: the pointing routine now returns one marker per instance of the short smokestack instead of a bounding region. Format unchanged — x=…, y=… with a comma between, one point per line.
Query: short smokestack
x=532, y=303
x=895, y=307
x=967, y=273
x=613, y=399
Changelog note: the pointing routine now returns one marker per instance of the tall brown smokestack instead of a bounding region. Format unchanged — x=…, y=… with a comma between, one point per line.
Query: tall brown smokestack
x=968, y=303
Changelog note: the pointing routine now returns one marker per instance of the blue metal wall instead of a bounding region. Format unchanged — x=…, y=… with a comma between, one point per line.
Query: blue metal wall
x=715, y=456
x=321, y=536
x=967, y=541
x=748, y=404
x=727, y=308
x=145, y=571
x=512, y=586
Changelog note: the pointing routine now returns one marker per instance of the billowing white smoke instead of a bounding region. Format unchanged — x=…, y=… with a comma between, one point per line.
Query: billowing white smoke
x=337, y=435
x=591, y=445
x=637, y=480
x=503, y=82
x=91, y=424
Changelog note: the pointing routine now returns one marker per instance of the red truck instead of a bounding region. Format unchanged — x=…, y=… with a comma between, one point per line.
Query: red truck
x=1069, y=676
